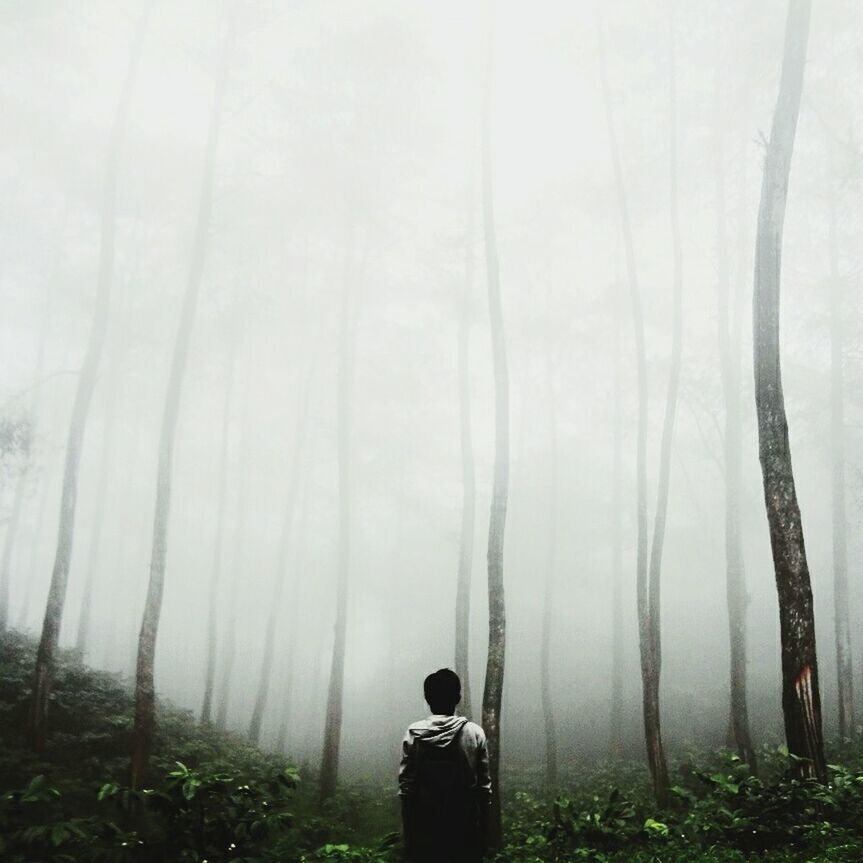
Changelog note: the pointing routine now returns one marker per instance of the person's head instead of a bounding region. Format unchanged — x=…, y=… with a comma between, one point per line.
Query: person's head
x=442, y=691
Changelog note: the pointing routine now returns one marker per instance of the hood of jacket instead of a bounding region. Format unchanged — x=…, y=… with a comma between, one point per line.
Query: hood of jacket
x=437, y=730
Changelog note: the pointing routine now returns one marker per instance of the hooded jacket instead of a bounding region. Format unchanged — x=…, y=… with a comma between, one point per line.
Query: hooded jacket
x=440, y=730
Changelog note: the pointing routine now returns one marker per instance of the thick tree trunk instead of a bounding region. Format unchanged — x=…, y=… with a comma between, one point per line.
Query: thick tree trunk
x=844, y=669
x=344, y=389
x=551, y=775
x=468, y=473
x=44, y=671
x=647, y=625
x=801, y=698
x=494, y=673
x=145, y=695
x=280, y=575
x=729, y=365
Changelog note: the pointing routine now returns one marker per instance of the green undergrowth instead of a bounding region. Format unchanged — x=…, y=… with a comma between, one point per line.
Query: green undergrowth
x=215, y=798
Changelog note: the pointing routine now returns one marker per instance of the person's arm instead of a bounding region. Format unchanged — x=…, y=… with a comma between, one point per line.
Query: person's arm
x=484, y=791
x=407, y=774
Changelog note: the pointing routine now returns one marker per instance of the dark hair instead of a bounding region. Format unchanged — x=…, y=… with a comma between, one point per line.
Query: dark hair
x=442, y=689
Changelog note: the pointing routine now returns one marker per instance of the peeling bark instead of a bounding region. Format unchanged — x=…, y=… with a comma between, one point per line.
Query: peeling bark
x=801, y=704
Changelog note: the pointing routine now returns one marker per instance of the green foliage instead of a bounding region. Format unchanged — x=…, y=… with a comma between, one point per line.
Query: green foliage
x=220, y=800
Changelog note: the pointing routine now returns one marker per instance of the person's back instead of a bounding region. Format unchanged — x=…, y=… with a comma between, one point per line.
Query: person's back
x=444, y=779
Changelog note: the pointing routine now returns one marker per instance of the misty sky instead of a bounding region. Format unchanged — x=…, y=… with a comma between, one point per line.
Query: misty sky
x=349, y=160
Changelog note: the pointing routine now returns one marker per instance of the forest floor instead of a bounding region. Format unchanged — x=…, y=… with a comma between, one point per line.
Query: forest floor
x=215, y=798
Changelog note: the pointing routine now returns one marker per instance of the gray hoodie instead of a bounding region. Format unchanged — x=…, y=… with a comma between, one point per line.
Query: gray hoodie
x=440, y=730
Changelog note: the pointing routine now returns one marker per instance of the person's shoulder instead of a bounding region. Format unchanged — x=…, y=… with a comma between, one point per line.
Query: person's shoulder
x=474, y=730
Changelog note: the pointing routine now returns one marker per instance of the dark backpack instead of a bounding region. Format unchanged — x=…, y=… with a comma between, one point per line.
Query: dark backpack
x=445, y=802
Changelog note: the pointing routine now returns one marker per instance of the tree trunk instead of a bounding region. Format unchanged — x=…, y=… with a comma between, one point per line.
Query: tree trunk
x=45, y=656
x=729, y=366
x=9, y=546
x=551, y=776
x=651, y=658
x=844, y=671
x=106, y=449
x=280, y=574
x=494, y=673
x=801, y=699
x=468, y=473
x=287, y=689
x=229, y=639
x=646, y=624
x=145, y=695
x=344, y=389
x=21, y=488
x=616, y=724
x=218, y=539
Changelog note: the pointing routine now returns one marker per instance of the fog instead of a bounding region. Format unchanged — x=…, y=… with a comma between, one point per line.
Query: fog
x=344, y=241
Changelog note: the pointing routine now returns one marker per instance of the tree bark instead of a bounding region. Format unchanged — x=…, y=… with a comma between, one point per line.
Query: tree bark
x=801, y=699
x=468, y=472
x=344, y=390
x=218, y=539
x=551, y=773
x=729, y=366
x=45, y=656
x=844, y=668
x=145, y=695
x=494, y=673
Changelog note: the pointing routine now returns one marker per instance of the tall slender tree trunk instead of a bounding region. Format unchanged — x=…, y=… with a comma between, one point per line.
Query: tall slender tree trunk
x=729, y=365
x=647, y=624
x=106, y=449
x=145, y=695
x=344, y=391
x=652, y=656
x=218, y=540
x=468, y=472
x=9, y=546
x=24, y=479
x=286, y=692
x=801, y=697
x=494, y=672
x=844, y=669
x=551, y=776
x=229, y=637
x=616, y=719
x=280, y=574
x=45, y=656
